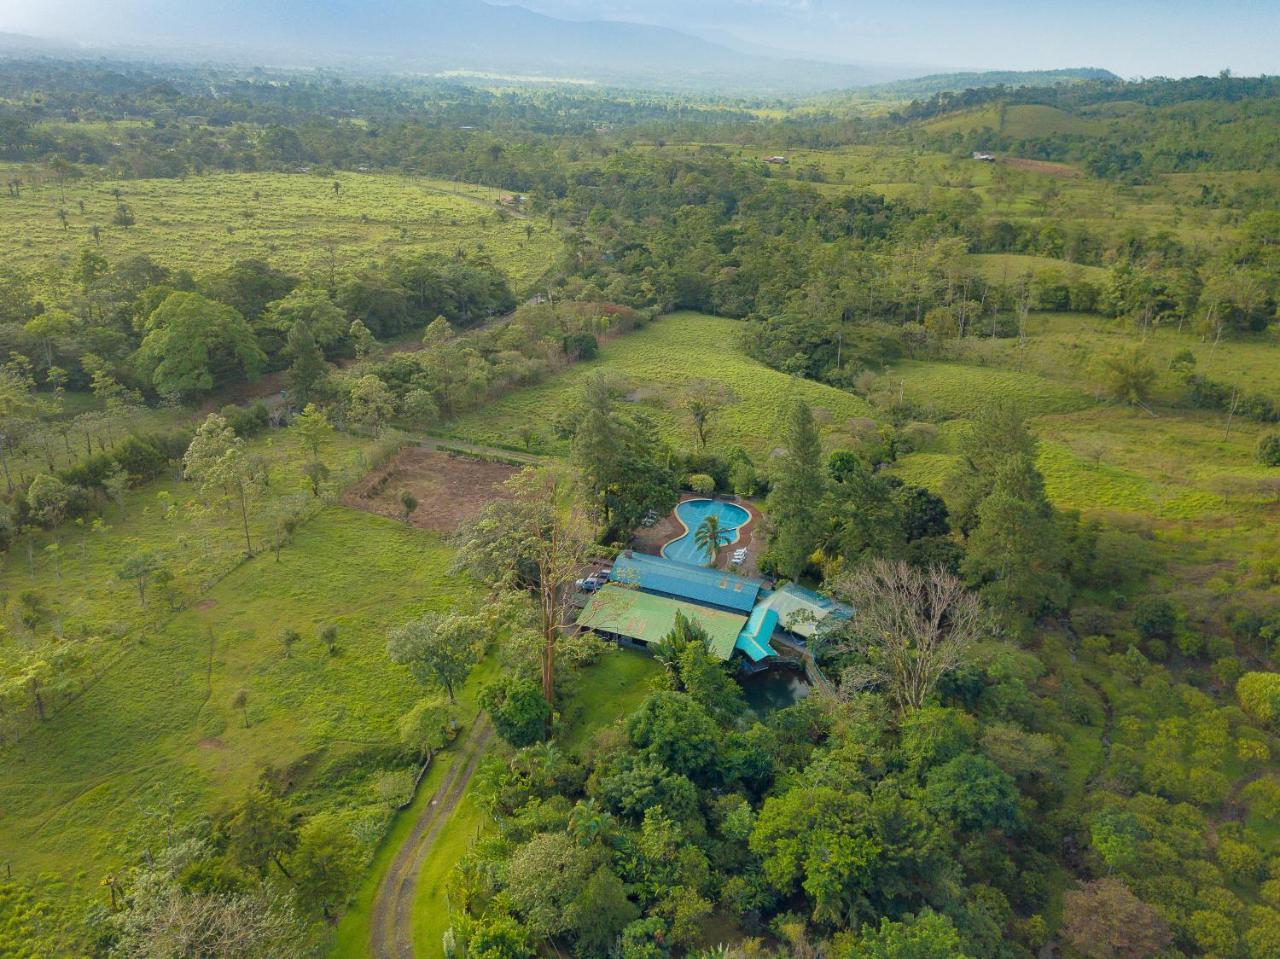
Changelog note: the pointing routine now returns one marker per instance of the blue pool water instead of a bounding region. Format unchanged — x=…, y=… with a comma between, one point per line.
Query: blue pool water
x=692, y=512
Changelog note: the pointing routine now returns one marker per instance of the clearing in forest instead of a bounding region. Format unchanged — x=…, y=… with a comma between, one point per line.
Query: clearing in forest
x=652, y=368
x=296, y=221
x=449, y=489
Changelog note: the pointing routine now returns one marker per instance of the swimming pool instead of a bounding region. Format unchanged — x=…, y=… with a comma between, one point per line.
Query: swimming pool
x=692, y=512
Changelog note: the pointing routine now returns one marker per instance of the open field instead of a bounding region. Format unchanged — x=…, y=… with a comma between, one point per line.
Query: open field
x=651, y=367
x=1008, y=267
x=293, y=220
x=1018, y=120
x=1182, y=476
x=449, y=489
x=154, y=732
x=1066, y=347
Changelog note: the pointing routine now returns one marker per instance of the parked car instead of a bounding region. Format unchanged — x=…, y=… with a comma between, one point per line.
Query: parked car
x=588, y=584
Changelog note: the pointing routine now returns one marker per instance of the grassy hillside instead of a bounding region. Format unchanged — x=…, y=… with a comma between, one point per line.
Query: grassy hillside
x=205, y=222
x=1187, y=479
x=154, y=734
x=1019, y=121
x=652, y=367
x=1007, y=267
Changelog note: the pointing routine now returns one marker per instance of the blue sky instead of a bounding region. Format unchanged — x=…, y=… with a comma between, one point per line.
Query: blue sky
x=1131, y=37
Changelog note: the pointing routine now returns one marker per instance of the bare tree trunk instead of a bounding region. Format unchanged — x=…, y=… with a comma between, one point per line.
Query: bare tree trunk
x=244, y=516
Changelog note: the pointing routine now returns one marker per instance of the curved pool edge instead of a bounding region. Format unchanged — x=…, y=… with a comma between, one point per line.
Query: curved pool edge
x=737, y=530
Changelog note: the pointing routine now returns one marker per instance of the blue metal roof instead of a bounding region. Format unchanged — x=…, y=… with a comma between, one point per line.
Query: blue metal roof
x=754, y=638
x=699, y=584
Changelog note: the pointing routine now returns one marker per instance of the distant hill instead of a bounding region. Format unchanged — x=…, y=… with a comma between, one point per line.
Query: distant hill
x=918, y=87
x=455, y=36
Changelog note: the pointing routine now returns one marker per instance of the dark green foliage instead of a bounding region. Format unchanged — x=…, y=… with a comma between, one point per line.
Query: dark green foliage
x=797, y=489
x=974, y=793
x=1155, y=617
x=621, y=461
x=518, y=710
x=580, y=346
x=677, y=732
x=248, y=420
x=1269, y=449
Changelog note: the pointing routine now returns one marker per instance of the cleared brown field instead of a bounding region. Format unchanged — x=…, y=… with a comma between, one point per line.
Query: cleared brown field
x=450, y=489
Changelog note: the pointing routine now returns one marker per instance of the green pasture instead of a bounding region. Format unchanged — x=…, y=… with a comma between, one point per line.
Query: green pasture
x=947, y=390
x=1020, y=121
x=1008, y=267
x=294, y=220
x=153, y=733
x=1067, y=347
x=652, y=367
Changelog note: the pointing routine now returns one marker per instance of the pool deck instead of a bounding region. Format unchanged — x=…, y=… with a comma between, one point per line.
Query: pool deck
x=652, y=540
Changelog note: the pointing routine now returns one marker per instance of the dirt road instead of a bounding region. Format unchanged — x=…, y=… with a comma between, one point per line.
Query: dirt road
x=392, y=914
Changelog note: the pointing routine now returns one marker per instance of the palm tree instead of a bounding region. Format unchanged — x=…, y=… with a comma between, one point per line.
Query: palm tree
x=709, y=537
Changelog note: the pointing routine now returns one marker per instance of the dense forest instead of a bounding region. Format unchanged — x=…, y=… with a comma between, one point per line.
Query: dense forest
x=1048, y=727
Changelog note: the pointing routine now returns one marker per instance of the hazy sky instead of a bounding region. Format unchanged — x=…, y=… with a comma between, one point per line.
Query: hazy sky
x=1131, y=37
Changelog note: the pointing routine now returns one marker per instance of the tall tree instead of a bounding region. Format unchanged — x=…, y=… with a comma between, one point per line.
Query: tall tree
x=193, y=344
x=911, y=628
x=998, y=432
x=536, y=540
x=1016, y=555
x=1104, y=920
x=620, y=460
x=216, y=459
x=307, y=367
x=795, y=502
x=261, y=832
x=326, y=863
x=438, y=649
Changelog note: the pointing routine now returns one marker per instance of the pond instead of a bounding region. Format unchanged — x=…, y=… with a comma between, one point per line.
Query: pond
x=774, y=688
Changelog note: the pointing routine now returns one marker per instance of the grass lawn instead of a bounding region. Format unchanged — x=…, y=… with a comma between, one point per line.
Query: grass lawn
x=202, y=223
x=154, y=734
x=605, y=691
x=652, y=366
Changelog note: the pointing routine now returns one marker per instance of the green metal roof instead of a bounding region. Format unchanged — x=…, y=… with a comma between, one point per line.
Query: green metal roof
x=647, y=618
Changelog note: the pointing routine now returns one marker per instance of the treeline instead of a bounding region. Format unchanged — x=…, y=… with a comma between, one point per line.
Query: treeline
x=166, y=334
x=1198, y=123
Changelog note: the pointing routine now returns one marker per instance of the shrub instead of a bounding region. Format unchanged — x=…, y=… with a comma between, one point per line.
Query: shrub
x=518, y=710
x=581, y=346
x=702, y=483
x=246, y=420
x=140, y=459
x=1269, y=450
x=1259, y=695
x=1155, y=617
